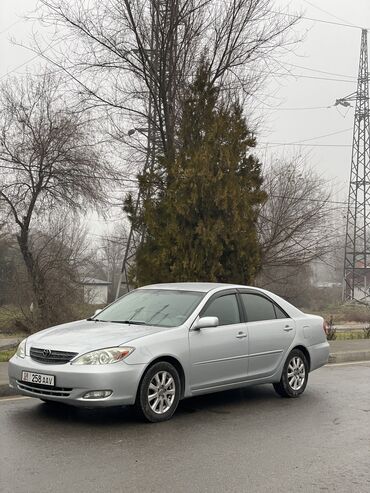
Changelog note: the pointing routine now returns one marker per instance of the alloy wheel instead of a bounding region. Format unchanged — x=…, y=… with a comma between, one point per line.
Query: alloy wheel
x=161, y=392
x=296, y=373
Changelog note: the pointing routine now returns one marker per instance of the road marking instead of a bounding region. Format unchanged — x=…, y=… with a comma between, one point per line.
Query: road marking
x=3, y=399
x=348, y=363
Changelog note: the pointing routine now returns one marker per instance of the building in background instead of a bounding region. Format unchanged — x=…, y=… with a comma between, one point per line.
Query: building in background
x=95, y=291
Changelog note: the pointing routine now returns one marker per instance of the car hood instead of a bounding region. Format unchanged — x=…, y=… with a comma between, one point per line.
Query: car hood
x=85, y=335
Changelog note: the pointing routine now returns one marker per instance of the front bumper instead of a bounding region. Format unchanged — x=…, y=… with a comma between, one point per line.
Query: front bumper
x=73, y=381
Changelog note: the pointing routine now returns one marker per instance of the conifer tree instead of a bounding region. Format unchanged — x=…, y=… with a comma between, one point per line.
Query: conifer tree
x=201, y=223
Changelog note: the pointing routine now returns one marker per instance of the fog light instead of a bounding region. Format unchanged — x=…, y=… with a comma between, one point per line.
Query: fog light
x=97, y=394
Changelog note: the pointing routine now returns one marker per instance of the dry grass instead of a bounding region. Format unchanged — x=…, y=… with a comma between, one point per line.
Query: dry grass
x=6, y=355
x=343, y=314
x=13, y=321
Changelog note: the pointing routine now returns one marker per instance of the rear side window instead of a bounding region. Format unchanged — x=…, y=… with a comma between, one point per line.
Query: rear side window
x=279, y=312
x=258, y=308
x=225, y=308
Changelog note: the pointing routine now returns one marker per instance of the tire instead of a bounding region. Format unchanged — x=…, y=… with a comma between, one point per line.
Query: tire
x=295, y=375
x=159, y=392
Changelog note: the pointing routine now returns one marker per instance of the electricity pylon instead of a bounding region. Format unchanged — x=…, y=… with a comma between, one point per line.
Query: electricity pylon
x=356, y=279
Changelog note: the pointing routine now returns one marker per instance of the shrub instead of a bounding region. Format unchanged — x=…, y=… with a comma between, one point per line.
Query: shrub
x=366, y=331
x=331, y=333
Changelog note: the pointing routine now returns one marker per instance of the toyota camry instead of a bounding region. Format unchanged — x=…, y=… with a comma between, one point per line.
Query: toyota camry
x=165, y=342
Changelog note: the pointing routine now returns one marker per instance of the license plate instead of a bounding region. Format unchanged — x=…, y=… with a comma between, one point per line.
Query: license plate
x=41, y=378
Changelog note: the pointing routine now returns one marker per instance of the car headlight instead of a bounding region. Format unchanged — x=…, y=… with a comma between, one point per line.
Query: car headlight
x=21, y=350
x=104, y=356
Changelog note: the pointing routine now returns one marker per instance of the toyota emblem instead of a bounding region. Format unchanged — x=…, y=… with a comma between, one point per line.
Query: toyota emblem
x=46, y=353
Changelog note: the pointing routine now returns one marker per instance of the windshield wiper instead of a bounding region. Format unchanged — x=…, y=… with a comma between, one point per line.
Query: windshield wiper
x=130, y=322
x=158, y=312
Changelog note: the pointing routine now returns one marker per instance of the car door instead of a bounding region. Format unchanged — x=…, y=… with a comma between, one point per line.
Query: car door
x=219, y=355
x=270, y=334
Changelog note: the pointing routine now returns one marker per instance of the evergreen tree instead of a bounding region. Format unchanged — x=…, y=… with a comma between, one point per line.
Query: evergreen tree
x=201, y=223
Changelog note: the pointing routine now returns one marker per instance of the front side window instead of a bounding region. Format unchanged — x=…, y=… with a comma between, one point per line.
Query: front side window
x=159, y=307
x=257, y=307
x=225, y=308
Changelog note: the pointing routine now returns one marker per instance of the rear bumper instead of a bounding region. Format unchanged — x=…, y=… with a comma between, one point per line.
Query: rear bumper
x=72, y=382
x=319, y=355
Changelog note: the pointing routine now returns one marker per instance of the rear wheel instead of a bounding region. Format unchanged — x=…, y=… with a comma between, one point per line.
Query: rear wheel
x=295, y=375
x=159, y=392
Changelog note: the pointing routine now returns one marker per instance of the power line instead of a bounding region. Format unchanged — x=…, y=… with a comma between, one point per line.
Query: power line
x=20, y=19
x=303, y=108
x=340, y=202
x=314, y=19
x=272, y=11
x=136, y=181
x=298, y=142
x=10, y=26
x=329, y=13
x=321, y=71
x=279, y=144
x=301, y=76
x=323, y=136
x=30, y=60
x=77, y=175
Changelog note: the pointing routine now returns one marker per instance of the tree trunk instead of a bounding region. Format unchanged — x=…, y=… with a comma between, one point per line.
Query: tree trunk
x=37, y=280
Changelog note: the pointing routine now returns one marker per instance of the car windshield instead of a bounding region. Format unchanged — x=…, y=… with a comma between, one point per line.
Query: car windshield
x=160, y=307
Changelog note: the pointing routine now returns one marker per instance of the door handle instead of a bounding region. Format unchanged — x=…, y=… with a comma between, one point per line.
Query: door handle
x=241, y=335
x=287, y=328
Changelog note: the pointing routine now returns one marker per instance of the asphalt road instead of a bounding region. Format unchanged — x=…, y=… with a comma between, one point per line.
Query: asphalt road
x=239, y=441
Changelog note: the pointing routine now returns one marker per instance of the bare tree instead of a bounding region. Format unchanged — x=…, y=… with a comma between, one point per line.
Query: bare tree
x=8, y=261
x=61, y=252
x=296, y=224
x=47, y=160
x=107, y=260
x=133, y=57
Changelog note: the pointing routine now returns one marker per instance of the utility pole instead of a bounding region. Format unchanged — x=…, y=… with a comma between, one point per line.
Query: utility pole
x=356, y=279
x=162, y=53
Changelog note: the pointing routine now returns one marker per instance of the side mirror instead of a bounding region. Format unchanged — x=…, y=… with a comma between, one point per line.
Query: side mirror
x=205, y=322
x=97, y=312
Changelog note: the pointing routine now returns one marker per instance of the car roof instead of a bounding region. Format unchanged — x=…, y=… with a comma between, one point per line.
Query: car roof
x=204, y=287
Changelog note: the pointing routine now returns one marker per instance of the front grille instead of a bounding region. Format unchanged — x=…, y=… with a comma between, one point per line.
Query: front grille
x=51, y=357
x=37, y=388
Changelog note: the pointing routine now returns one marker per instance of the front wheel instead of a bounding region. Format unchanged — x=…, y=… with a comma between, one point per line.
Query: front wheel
x=295, y=375
x=159, y=392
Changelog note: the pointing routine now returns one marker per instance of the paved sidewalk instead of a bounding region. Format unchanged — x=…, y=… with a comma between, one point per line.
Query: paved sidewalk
x=340, y=352
x=4, y=387
x=347, y=351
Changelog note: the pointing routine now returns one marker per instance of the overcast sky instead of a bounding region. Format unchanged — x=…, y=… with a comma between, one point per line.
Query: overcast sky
x=325, y=48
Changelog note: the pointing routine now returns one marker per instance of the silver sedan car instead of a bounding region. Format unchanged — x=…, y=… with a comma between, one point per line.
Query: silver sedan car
x=165, y=342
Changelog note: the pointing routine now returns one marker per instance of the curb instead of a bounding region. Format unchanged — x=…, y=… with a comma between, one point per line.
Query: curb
x=349, y=356
x=6, y=347
x=6, y=391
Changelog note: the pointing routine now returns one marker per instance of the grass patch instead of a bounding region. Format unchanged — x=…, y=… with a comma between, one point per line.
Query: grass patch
x=9, y=319
x=349, y=335
x=6, y=355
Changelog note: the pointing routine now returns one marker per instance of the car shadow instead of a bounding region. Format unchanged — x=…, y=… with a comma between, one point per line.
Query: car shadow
x=227, y=401
x=240, y=401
